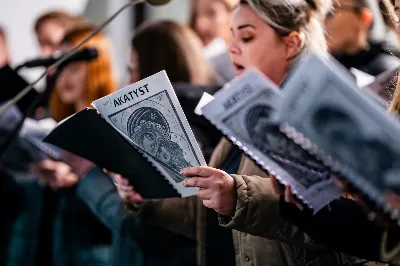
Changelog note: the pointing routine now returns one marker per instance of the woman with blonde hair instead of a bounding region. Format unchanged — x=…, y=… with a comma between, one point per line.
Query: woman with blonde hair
x=272, y=36
x=79, y=238
x=352, y=225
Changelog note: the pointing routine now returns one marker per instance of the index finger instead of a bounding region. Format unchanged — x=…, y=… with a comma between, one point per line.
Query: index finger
x=199, y=171
x=196, y=182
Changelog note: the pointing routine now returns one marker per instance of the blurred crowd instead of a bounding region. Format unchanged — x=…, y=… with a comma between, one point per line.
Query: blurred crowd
x=78, y=214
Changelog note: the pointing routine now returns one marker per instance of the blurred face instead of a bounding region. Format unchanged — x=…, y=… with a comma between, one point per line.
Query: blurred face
x=49, y=35
x=256, y=45
x=397, y=12
x=347, y=27
x=212, y=20
x=133, y=67
x=3, y=52
x=72, y=82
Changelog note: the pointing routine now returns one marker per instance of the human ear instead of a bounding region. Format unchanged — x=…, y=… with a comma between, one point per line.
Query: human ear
x=293, y=43
x=366, y=18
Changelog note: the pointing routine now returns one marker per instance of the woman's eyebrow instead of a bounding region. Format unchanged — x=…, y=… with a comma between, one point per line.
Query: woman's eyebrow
x=245, y=26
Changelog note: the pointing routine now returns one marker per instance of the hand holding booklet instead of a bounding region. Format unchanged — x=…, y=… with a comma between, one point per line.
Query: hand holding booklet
x=139, y=132
x=245, y=112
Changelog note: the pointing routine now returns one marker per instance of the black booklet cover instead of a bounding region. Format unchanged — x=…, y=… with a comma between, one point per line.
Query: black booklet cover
x=88, y=135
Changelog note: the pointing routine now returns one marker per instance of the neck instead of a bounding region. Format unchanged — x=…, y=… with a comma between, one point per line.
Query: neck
x=80, y=105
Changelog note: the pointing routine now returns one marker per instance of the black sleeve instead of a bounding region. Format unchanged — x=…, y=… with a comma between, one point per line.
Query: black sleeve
x=341, y=225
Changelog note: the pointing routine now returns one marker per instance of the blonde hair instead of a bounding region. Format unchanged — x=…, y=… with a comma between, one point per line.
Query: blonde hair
x=394, y=106
x=303, y=16
x=101, y=80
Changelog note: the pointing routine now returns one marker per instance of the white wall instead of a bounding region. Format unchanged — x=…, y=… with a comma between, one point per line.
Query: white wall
x=119, y=31
x=176, y=10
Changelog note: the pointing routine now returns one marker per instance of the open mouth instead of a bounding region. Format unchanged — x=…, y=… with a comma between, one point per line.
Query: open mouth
x=239, y=68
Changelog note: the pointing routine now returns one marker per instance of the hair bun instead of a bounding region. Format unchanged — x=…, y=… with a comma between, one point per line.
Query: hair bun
x=322, y=7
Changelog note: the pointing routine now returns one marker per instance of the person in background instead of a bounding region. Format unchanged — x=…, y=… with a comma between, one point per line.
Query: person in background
x=190, y=79
x=50, y=28
x=79, y=238
x=4, y=53
x=211, y=21
x=181, y=56
x=28, y=239
x=347, y=32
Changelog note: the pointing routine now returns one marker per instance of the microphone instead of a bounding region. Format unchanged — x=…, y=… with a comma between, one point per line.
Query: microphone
x=158, y=2
x=86, y=54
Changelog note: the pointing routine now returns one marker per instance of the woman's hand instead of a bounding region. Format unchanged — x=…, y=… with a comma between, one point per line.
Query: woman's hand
x=217, y=188
x=55, y=174
x=126, y=191
x=286, y=192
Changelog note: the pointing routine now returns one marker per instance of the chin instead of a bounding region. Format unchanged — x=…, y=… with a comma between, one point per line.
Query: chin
x=68, y=99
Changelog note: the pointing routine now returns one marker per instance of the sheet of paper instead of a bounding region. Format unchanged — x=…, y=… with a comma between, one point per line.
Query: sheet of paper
x=362, y=78
x=205, y=99
x=149, y=115
x=246, y=114
x=344, y=127
x=32, y=131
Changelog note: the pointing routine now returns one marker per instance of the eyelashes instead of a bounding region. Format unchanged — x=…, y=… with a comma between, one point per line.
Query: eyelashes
x=247, y=39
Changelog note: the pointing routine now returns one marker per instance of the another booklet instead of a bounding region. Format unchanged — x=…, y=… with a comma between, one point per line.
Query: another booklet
x=245, y=112
x=345, y=128
x=141, y=132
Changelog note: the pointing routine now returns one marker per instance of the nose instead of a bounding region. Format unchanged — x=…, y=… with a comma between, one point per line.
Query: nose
x=46, y=51
x=202, y=24
x=233, y=48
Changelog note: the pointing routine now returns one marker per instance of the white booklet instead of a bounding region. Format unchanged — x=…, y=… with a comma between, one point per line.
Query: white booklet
x=149, y=116
x=246, y=114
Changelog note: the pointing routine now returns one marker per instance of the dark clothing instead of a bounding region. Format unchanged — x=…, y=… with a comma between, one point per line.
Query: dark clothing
x=219, y=241
x=79, y=238
x=206, y=134
x=23, y=243
x=134, y=242
x=20, y=205
x=341, y=225
x=373, y=61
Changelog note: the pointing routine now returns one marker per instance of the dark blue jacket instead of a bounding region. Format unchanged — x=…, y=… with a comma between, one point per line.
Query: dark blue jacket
x=134, y=241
